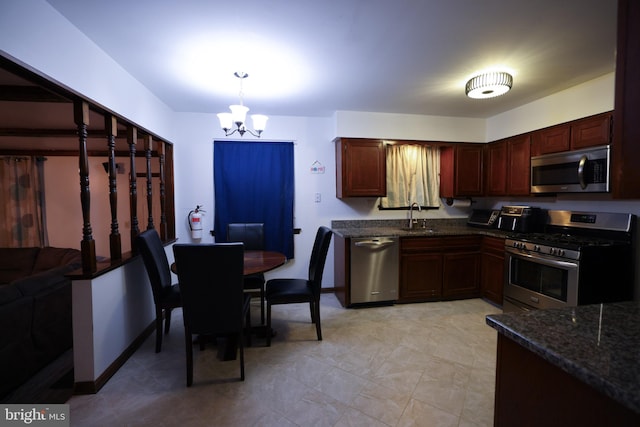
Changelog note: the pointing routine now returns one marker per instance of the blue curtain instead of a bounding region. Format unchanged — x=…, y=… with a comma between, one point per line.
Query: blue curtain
x=253, y=182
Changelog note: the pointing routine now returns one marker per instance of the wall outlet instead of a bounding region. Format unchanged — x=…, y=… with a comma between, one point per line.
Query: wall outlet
x=318, y=197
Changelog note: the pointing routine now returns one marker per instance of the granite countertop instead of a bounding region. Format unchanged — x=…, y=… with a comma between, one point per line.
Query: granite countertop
x=597, y=344
x=398, y=228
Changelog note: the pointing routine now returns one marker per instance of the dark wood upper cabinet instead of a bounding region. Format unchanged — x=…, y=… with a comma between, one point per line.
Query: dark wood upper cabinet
x=508, y=167
x=625, y=173
x=519, y=166
x=496, y=164
x=361, y=168
x=461, y=170
x=591, y=131
x=552, y=140
x=575, y=135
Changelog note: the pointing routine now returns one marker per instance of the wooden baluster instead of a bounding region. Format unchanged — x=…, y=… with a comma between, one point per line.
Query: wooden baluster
x=163, y=216
x=87, y=245
x=132, y=139
x=111, y=128
x=148, y=147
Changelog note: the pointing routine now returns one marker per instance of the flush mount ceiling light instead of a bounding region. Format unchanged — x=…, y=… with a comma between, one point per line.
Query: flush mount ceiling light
x=489, y=85
x=238, y=115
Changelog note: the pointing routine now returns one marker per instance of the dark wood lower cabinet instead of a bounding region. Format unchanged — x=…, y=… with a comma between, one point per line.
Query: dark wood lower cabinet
x=460, y=273
x=533, y=392
x=435, y=268
x=492, y=269
x=420, y=276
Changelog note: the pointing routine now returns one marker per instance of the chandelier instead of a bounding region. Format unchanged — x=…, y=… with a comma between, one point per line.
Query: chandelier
x=238, y=115
x=489, y=85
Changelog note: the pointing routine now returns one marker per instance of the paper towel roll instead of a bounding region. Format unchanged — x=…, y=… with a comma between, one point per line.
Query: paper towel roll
x=458, y=203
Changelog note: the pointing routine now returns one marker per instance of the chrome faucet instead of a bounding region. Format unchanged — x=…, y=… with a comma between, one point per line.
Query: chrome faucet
x=411, y=220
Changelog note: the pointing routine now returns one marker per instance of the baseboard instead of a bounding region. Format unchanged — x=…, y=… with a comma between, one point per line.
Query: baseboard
x=92, y=387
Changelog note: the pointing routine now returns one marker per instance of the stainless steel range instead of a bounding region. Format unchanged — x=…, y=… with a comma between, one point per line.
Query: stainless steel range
x=580, y=258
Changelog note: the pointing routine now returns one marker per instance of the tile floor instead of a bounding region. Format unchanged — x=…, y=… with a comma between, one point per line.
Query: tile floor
x=430, y=364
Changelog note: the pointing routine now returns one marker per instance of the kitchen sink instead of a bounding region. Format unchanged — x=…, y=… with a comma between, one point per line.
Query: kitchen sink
x=419, y=230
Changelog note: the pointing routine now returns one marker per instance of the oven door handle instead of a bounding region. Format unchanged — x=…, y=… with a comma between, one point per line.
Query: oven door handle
x=541, y=259
x=581, y=165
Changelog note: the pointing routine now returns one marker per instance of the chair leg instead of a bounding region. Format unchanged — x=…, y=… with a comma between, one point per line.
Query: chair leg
x=317, y=317
x=189, y=350
x=268, y=329
x=158, y=331
x=247, y=325
x=241, y=345
x=312, y=311
x=262, y=305
x=167, y=320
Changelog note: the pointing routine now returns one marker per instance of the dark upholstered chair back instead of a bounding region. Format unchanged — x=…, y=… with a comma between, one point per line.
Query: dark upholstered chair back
x=213, y=298
x=156, y=262
x=166, y=296
x=251, y=234
x=211, y=283
x=318, y=258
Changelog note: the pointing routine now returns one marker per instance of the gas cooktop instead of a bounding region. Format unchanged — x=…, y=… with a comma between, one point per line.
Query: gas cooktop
x=567, y=241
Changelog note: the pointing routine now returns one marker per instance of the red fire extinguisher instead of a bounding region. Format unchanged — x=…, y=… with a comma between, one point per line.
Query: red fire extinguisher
x=195, y=222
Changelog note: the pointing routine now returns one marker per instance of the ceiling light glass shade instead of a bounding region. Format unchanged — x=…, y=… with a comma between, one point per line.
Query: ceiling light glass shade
x=226, y=121
x=259, y=122
x=239, y=114
x=489, y=85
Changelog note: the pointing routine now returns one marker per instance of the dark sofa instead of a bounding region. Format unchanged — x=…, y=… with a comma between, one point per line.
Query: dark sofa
x=35, y=311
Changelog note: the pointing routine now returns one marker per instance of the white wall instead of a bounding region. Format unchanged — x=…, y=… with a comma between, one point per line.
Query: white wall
x=35, y=34
x=360, y=124
x=109, y=313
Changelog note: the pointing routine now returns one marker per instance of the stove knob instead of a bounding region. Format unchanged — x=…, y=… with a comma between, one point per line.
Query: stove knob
x=536, y=248
x=561, y=252
x=552, y=251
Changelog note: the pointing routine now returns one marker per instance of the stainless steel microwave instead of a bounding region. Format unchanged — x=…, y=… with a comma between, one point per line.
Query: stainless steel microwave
x=579, y=171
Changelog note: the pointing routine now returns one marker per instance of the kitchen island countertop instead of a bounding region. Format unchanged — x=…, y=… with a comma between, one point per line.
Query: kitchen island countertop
x=597, y=344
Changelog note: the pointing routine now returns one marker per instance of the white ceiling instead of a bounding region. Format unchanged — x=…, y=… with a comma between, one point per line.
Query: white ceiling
x=313, y=57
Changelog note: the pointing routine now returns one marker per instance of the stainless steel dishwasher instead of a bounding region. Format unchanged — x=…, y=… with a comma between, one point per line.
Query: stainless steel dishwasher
x=374, y=269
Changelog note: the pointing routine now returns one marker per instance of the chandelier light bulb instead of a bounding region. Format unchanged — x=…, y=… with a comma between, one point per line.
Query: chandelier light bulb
x=238, y=115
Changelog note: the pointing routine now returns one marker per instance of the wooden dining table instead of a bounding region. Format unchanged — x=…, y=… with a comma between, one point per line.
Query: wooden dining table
x=256, y=262
x=262, y=261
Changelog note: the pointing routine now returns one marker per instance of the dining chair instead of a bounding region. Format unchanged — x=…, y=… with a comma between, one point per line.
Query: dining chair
x=288, y=291
x=252, y=235
x=166, y=295
x=213, y=299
